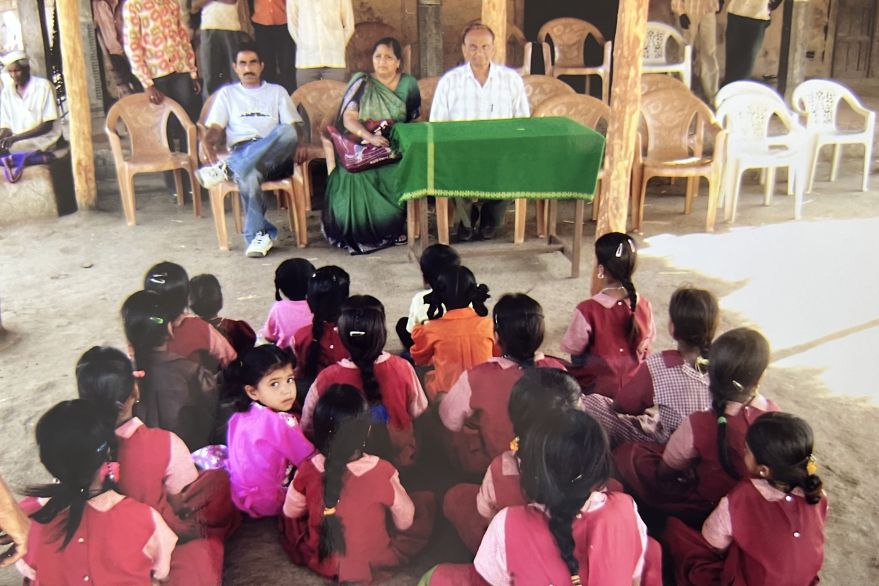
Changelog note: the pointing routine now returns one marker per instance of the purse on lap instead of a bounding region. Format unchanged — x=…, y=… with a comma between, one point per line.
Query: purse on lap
x=355, y=156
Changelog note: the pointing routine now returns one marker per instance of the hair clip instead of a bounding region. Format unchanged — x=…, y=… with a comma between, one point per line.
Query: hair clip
x=576, y=478
x=158, y=278
x=701, y=364
x=721, y=420
x=631, y=245
x=329, y=511
x=811, y=465
x=619, y=251
x=157, y=320
x=102, y=447
x=514, y=445
x=738, y=385
x=356, y=333
x=138, y=373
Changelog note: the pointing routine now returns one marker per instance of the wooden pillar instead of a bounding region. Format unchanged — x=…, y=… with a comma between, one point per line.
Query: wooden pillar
x=430, y=37
x=625, y=101
x=75, y=69
x=494, y=15
x=794, y=42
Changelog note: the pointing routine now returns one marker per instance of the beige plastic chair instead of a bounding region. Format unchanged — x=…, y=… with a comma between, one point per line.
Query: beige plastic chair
x=588, y=111
x=147, y=128
x=319, y=101
x=655, y=82
x=539, y=88
x=656, y=57
x=358, y=53
x=568, y=37
x=519, y=50
x=818, y=101
x=291, y=187
x=679, y=126
x=427, y=89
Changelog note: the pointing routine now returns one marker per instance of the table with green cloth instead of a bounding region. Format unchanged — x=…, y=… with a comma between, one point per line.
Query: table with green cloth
x=542, y=159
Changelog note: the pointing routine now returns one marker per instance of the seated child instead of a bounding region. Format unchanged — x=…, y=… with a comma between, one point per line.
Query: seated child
x=770, y=528
x=155, y=467
x=388, y=383
x=347, y=516
x=458, y=335
x=537, y=395
x=435, y=258
x=475, y=409
x=669, y=385
x=573, y=531
x=611, y=332
x=290, y=311
x=317, y=344
x=206, y=301
x=191, y=337
x=176, y=394
x=705, y=456
x=264, y=439
x=127, y=542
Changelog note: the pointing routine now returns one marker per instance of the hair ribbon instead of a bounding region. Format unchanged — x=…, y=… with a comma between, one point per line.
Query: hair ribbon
x=329, y=511
x=138, y=373
x=811, y=465
x=701, y=364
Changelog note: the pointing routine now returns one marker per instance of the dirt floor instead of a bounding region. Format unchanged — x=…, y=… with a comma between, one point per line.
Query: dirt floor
x=810, y=285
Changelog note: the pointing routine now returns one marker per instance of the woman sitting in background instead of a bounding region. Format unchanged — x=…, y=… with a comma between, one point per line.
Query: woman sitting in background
x=363, y=213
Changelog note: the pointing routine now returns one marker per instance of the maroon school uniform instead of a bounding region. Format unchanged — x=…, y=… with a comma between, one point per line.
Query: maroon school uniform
x=371, y=493
x=237, y=332
x=598, y=341
x=402, y=397
x=475, y=410
x=331, y=348
x=195, y=339
x=770, y=538
x=692, y=446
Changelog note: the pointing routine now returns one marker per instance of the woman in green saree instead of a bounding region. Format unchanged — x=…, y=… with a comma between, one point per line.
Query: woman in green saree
x=363, y=212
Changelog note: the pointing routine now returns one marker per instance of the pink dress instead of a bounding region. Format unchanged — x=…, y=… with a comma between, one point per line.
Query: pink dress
x=263, y=444
x=285, y=318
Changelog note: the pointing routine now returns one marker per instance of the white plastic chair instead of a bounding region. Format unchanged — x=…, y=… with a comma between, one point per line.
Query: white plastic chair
x=817, y=101
x=738, y=88
x=746, y=118
x=655, y=55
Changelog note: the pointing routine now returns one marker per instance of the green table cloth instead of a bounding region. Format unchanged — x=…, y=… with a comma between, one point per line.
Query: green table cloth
x=536, y=158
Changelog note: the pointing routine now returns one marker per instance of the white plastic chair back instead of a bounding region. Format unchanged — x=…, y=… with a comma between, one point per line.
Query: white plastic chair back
x=738, y=88
x=656, y=43
x=818, y=100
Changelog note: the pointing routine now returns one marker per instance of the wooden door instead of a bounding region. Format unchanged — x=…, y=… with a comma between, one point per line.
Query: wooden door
x=855, y=28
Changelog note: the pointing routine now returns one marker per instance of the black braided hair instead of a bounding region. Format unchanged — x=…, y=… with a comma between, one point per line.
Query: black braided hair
x=784, y=442
x=146, y=323
x=563, y=460
x=363, y=332
x=616, y=252
x=327, y=289
x=74, y=442
x=456, y=288
x=695, y=315
x=518, y=322
x=169, y=280
x=104, y=376
x=341, y=427
x=249, y=369
x=737, y=360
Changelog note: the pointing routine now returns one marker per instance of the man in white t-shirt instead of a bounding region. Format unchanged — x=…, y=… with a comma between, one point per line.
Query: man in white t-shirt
x=479, y=90
x=28, y=112
x=258, y=119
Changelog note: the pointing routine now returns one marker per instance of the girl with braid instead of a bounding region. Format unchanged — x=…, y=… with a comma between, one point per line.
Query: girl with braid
x=611, y=332
x=705, y=456
x=318, y=345
x=669, y=385
x=346, y=516
x=770, y=528
x=458, y=335
x=388, y=383
x=475, y=409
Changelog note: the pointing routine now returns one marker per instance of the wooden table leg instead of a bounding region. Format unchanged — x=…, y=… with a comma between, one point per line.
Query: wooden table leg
x=424, y=238
x=442, y=219
x=521, y=210
x=578, y=239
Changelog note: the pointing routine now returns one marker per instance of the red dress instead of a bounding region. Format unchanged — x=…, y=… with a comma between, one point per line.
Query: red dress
x=371, y=549
x=775, y=541
x=603, y=357
x=402, y=397
x=331, y=348
x=637, y=465
x=475, y=410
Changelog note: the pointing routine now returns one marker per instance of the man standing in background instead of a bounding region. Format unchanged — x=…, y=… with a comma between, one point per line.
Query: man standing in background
x=222, y=30
x=746, y=24
x=321, y=30
x=698, y=20
x=274, y=43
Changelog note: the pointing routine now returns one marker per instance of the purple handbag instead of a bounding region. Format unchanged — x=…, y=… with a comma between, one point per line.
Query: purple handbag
x=355, y=156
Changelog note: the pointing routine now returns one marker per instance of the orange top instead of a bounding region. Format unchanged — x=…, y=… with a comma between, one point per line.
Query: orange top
x=270, y=12
x=457, y=341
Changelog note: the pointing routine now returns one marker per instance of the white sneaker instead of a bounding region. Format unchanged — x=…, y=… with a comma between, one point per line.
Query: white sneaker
x=212, y=175
x=259, y=246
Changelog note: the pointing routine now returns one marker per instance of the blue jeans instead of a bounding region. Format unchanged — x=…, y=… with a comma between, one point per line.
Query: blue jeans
x=254, y=162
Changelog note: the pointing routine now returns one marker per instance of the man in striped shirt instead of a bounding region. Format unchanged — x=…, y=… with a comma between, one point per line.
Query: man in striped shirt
x=478, y=90
x=699, y=23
